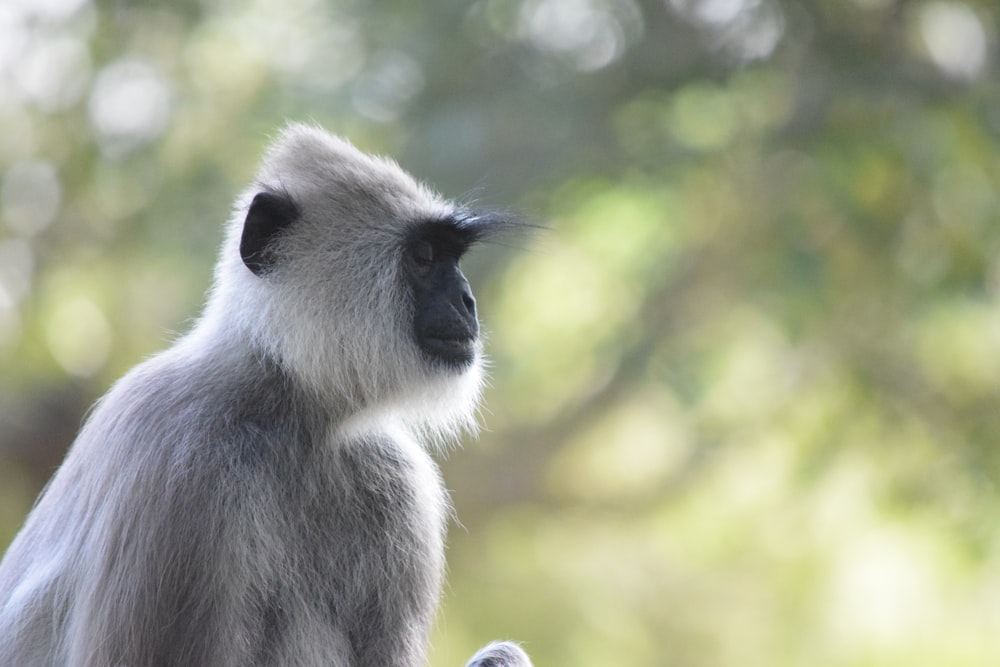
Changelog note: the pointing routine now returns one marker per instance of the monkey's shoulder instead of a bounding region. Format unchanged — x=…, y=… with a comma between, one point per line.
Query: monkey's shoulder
x=176, y=404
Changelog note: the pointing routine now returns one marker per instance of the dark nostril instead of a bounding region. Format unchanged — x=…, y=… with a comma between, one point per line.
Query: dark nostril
x=470, y=303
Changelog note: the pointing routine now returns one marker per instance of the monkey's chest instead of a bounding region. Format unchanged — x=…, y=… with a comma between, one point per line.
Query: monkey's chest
x=367, y=535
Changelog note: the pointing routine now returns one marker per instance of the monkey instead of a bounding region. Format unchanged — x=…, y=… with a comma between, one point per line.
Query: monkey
x=262, y=492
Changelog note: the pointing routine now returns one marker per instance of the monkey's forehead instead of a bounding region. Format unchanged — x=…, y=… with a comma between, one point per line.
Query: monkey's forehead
x=312, y=159
x=378, y=194
x=327, y=177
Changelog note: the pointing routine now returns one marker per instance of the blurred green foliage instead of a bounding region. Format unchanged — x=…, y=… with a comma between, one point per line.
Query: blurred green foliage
x=746, y=396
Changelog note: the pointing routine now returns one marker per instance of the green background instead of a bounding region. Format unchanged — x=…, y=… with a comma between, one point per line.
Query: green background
x=745, y=406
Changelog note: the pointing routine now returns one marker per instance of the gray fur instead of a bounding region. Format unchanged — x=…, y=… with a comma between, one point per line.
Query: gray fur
x=256, y=494
x=500, y=654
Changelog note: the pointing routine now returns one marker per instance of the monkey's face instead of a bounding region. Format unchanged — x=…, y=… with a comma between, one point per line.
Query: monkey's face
x=445, y=326
x=402, y=280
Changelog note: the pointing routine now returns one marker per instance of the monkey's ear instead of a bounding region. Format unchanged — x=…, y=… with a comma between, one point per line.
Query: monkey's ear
x=268, y=215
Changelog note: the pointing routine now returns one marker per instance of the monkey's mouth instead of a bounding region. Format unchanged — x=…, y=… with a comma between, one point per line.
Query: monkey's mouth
x=453, y=350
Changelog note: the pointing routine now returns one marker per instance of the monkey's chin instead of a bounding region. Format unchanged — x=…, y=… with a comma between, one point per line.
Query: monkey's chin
x=454, y=353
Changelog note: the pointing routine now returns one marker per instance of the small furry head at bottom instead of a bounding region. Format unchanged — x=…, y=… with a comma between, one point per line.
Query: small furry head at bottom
x=500, y=654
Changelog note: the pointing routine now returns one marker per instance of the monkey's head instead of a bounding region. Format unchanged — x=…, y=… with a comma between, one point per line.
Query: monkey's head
x=345, y=271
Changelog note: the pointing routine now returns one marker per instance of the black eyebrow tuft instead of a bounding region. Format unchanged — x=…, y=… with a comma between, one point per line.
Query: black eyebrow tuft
x=490, y=226
x=464, y=228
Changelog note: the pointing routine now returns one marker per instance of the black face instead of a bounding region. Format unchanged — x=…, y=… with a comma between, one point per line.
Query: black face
x=444, y=322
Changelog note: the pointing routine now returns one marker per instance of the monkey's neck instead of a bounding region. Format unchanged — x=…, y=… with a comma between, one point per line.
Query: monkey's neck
x=236, y=354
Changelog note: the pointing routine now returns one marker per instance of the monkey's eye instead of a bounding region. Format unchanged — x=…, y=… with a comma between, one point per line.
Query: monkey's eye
x=423, y=253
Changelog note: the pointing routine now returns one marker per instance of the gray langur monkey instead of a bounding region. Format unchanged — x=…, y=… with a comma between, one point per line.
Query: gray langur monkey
x=257, y=494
